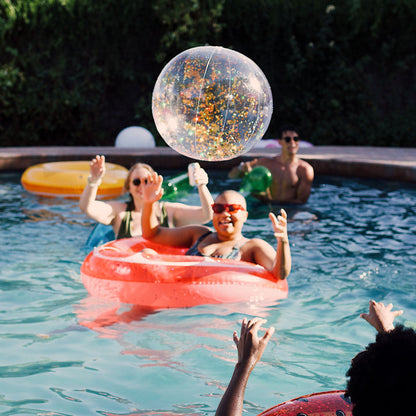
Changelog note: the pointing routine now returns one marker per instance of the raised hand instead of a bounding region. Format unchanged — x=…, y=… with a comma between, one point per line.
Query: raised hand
x=97, y=167
x=152, y=188
x=200, y=176
x=250, y=347
x=279, y=225
x=381, y=317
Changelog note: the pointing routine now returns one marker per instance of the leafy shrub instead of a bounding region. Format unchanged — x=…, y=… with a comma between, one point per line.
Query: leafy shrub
x=76, y=72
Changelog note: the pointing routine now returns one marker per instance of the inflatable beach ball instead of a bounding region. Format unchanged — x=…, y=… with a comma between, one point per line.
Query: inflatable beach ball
x=211, y=103
x=135, y=136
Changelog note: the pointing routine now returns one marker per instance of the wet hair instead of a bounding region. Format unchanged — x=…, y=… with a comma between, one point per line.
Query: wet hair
x=130, y=172
x=287, y=127
x=382, y=377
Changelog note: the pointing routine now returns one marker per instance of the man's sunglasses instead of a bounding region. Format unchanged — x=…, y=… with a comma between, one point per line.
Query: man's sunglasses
x=288, y=139
x=138, y=181
x=218, y=208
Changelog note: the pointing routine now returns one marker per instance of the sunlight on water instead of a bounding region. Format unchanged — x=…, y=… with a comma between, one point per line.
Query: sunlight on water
x=65, y=353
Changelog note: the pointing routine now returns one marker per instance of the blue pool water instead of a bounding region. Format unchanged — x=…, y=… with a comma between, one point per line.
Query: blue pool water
x=65, y=353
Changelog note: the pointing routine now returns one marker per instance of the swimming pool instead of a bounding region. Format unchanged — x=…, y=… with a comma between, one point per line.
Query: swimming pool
x=353, y=241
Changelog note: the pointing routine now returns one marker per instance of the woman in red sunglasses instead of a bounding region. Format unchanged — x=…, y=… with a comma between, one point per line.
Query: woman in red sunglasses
x=229, y=215
x=125, y=218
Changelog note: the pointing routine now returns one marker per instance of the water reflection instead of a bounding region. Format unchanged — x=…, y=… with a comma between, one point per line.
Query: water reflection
x=352, y=241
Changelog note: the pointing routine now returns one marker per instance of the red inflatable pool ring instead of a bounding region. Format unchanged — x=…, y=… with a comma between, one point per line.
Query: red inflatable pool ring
x=328, y=403
x=118, y=271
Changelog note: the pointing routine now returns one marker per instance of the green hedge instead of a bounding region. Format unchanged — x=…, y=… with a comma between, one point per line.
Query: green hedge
x=76, y=72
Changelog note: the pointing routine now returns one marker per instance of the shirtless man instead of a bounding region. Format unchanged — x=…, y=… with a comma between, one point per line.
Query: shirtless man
x=292, y=177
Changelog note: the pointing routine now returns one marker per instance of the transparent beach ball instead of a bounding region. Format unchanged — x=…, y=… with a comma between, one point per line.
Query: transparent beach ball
x=212, y=103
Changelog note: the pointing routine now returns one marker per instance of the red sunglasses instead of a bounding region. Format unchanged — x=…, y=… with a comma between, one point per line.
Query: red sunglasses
x=231, y=208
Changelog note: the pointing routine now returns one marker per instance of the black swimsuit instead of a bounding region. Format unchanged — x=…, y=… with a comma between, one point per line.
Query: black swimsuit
x=233, y=255
x=124, y=230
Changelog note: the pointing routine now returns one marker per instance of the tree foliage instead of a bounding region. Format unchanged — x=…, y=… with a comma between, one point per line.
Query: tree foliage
x=76, y=72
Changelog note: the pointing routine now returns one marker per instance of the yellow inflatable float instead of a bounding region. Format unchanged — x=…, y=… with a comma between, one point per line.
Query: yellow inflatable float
x=68, y=179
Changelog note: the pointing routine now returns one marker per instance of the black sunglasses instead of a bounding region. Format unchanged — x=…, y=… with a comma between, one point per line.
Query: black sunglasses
x=288, y=139
x=138, y=181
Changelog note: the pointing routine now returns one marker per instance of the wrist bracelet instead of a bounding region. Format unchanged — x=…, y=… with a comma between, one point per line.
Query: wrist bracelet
x=93, y=183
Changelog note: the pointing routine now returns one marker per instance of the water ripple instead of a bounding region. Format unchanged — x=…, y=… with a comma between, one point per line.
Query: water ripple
x=28, y=369
x=352, y=241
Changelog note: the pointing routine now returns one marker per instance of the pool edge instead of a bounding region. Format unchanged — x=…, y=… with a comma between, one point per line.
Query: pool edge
x=389, y=163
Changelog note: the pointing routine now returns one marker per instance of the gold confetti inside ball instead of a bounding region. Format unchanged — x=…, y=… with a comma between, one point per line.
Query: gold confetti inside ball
x=212, y=103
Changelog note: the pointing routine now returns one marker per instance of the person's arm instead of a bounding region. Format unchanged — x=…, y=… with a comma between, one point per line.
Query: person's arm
x=152, y=230
x=278, y=262
x=283, y=260
x=97, y=210
x=250, y=349
x=305, y=184
x=182, y=214
x=242, y=169
x=381, y=317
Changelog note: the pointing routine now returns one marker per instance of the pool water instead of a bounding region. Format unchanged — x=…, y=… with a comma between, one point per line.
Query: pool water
x=65, y=353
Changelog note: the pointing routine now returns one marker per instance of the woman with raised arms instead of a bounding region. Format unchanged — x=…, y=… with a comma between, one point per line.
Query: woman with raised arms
x=226, y=240
x=125, y=217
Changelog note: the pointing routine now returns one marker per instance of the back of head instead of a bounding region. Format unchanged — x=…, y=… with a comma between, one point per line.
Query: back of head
x=382, y=377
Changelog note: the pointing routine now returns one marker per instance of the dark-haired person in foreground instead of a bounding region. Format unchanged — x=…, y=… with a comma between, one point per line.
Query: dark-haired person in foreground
x=381, y=378
x=292, y=177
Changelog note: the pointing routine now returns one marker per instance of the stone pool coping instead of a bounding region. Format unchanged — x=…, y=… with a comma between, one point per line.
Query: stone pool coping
x=389, y=163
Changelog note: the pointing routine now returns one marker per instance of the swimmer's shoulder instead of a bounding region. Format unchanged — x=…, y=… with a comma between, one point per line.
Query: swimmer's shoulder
x=306, y=169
